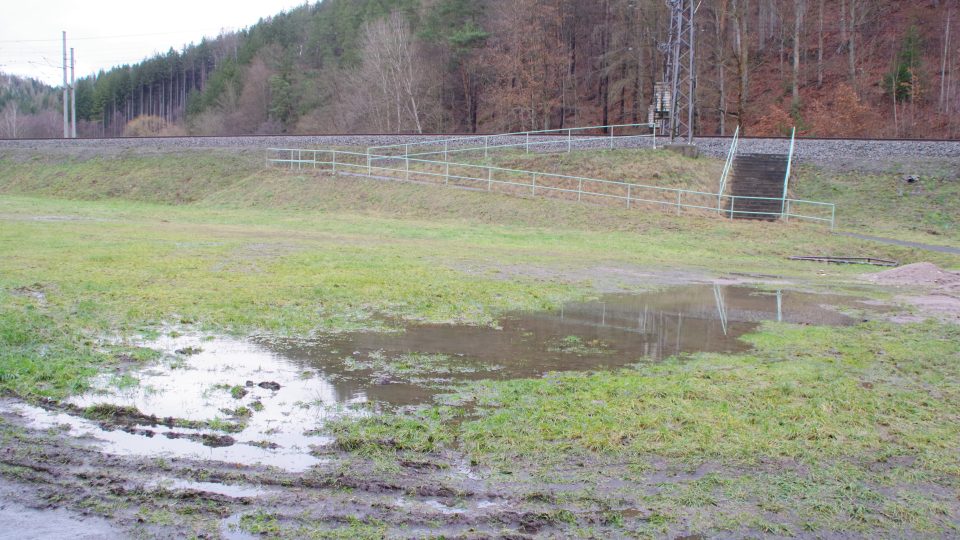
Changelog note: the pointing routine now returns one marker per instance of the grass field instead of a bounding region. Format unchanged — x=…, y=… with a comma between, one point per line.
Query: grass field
x=815, y=431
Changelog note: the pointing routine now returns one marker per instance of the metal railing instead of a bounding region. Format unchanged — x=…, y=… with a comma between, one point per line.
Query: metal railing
x=575, y=137
x=533, y=183
x=786, y=176
x=728, y=165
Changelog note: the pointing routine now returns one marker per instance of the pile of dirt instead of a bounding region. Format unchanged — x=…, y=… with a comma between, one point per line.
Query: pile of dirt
x=942, y=300
x=922, y=275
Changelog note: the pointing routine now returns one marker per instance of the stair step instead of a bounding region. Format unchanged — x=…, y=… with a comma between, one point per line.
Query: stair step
x=758, y=175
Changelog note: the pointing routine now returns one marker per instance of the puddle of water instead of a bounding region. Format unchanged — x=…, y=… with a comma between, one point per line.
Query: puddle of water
x=123, y=443
x=284, y=389
x=230, y=529
x=614, y=331
x=229, y=490
x=439, y=507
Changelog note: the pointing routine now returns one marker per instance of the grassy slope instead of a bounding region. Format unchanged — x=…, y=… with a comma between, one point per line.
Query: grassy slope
x=219, y=243
x=883, y=205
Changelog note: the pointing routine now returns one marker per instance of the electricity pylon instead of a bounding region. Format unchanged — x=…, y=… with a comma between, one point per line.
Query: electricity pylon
x=682, y=68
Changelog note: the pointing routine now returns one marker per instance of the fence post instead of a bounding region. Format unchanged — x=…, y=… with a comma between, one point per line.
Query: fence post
x=610, y=129
x=445, y=150
x=406, y=161
x=486, y=144
x=569, y=140
x=267, y=158
x=299, y=160
x=833, y=217
x=446, y=173
x=334, y=152
x=733, y=202
x=291, y=160
x=678, y=201
x=629, y=186
x=580, y=190
x=489, y=178
x=534, y=184
x=369, y=164
x=786, y=215
x=528, y=142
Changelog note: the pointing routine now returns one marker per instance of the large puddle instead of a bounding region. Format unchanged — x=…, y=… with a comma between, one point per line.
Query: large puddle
x=277, y=393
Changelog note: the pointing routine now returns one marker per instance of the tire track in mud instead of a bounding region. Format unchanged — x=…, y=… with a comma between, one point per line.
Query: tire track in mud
x=430, y=496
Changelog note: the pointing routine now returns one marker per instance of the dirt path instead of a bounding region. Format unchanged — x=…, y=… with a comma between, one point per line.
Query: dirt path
x=904, y=243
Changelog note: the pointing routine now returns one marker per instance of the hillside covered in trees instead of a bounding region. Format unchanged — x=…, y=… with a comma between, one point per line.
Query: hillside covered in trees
x=879, y=68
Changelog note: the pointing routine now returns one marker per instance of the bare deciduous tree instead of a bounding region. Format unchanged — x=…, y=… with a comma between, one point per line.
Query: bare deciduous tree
x=393, y=90
x=9, y=120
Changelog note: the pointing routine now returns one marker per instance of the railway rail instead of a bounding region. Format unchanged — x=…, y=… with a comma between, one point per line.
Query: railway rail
x=855, y=153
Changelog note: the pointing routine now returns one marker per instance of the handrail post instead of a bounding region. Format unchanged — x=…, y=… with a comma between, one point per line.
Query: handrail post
x=786, y=177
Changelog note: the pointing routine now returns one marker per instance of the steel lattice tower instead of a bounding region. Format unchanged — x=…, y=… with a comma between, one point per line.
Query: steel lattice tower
x=681, y=69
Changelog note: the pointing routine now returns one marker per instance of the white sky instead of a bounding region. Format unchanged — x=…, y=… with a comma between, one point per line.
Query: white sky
x=107, y=33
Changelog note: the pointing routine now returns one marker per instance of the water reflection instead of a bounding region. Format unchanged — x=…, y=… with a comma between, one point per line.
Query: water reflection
x=306, y=382
x=613, y=331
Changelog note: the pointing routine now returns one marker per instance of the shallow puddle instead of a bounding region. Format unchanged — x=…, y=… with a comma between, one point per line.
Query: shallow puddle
x=278, y=392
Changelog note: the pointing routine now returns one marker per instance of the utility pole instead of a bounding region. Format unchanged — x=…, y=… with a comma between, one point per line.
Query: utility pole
x=681, y=69
x=66, y=99
x=73, y=98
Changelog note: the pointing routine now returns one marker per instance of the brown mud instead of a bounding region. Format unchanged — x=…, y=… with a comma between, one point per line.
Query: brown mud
x=417, y=496
x=931, y=290
x=223, y=438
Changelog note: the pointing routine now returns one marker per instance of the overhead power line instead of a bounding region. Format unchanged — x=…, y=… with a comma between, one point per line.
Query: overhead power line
x=104, y=37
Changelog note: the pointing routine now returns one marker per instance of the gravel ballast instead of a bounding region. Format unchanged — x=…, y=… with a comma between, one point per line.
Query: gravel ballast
x=850, y=154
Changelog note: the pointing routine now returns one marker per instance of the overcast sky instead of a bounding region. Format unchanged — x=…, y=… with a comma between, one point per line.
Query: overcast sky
x=107, y=33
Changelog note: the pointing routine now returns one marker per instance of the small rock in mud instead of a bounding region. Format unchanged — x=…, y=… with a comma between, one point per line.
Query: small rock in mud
x=270, y=385
x=189, y=351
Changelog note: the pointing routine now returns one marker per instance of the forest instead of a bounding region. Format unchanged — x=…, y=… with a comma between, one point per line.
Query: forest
x=832, y=68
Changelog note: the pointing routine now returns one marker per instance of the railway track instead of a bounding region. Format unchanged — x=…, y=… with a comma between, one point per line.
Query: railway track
x=855, y=152
x=451, y=135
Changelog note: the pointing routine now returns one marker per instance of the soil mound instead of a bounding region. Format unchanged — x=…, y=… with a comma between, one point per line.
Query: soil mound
x=919, y=274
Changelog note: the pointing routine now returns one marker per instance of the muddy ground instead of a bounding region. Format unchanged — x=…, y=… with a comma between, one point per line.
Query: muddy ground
x=54, y=483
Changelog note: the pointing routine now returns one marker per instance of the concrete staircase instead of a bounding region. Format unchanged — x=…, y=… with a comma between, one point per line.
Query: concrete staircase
x=757, y=175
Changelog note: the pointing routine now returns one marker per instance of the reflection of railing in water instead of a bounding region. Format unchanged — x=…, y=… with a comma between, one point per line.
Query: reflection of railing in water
x=721, y=307
x=600, y=316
